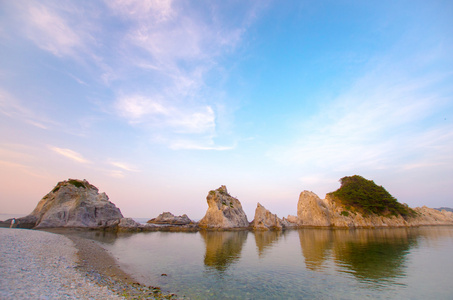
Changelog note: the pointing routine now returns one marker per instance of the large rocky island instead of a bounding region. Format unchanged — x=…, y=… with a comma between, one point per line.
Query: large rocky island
x=357, y=203
x=361, y=203
x=73, y=203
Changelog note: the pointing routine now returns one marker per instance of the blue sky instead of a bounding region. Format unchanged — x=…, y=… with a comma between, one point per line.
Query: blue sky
x=158, y=102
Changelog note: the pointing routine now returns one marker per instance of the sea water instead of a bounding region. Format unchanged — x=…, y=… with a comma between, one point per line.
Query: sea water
x=393, y=263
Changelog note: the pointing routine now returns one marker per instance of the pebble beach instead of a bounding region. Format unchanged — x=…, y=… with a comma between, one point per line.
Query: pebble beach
x=44, y=265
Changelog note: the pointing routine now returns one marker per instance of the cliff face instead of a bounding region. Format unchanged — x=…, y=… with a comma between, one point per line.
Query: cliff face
x=313, y=211
x=75, y=203
x=224, y=211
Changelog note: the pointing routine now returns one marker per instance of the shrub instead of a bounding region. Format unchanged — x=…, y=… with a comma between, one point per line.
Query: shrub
x=77, y=183
x=344, y=213
x=369, y=198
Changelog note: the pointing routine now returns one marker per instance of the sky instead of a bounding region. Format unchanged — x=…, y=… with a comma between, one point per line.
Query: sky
x=158, y=102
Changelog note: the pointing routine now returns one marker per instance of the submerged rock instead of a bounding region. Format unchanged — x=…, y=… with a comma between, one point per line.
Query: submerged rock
x=224, y=211
x=170, y=219
x=265, y=220
x=73, y=203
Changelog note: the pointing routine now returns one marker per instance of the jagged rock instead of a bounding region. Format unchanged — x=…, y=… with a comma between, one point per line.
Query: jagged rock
x=170, y=219
x=311, y=210
x=290, y=222
x=265, y=220
x=224, y=211
x=74, y=203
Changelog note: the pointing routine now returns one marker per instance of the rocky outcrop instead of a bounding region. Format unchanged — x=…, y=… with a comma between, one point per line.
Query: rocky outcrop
x=27, y=222
x=224, y=211
x=290, y=222
x=73, y=203
x=432, y=216
x=312, y=211
x=129, y=224
x=265, y=220
x=168, y=218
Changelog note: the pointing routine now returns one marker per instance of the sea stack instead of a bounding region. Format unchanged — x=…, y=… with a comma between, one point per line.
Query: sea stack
x=73, y=203
x=224, y=211
x=311, y=210
x=167, y=218
x=360, y=202
x=265, y=220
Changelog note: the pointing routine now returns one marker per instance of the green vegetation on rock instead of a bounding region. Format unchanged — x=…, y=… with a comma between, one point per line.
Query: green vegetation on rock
x=369, y=198
x=344, y=213
x=76, y=183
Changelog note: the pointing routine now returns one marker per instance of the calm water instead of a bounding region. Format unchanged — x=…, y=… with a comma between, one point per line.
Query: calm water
x=414, y=263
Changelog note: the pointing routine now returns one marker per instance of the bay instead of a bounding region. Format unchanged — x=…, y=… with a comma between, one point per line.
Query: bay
x=386, y=263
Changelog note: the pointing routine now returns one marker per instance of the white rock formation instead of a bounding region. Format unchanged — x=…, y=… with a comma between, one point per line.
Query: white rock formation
x=75, y=203
x=265, y=220
x=224, y=211
x=170, y=219
x=311, y=210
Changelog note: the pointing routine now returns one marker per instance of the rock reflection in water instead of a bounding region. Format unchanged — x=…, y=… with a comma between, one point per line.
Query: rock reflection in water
x=316, y=245
x=371, y=256
x=265, y=239
x=223, y=248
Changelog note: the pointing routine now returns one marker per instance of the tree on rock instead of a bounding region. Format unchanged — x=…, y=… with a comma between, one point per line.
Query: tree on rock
x=369, y=198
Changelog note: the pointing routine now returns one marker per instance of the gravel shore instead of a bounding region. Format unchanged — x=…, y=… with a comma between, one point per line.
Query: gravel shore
x=44, y=265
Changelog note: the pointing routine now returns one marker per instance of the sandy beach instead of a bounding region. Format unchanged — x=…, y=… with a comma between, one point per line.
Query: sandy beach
x=46, y=265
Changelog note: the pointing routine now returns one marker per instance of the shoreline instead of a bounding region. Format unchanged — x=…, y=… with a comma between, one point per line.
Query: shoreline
x=42, y=265
x=58, y=264
x=97, y=264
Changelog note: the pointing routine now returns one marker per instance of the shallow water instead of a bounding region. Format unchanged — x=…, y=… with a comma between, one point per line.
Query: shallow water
x=403, y=263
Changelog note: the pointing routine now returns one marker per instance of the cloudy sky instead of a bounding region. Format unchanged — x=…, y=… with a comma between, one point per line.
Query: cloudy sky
x=158, y=102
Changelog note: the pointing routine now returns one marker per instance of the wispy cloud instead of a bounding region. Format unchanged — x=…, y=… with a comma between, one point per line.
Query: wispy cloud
x=158, y=62
x=51, y=31
x=71, y=154
x=197, y=145
x=124, y=166
x=10, y=106
x=116, y=174
x=170, y=120
x=387, y=120
x=137, y=108
x=174, y=47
